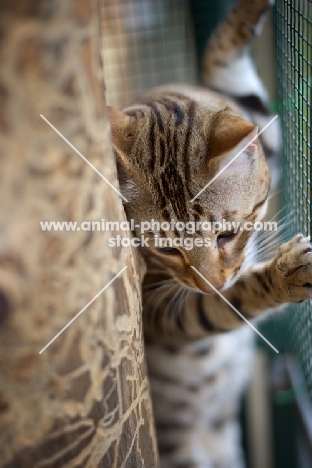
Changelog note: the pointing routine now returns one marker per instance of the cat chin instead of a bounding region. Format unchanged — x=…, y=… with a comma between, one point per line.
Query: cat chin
x=228, y=283
x=197, y=290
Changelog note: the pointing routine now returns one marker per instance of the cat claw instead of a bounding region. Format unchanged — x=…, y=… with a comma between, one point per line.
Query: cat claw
x=294, y=268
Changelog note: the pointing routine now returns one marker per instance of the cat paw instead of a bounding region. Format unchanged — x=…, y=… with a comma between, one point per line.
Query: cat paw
x=292, y=269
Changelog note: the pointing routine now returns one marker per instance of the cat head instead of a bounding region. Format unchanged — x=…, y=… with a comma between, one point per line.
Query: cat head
x=168, y=149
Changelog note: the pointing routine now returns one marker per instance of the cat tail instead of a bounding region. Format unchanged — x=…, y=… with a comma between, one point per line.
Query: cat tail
x=228, y=68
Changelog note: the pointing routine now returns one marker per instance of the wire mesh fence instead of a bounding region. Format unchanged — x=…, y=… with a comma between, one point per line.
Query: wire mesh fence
x=146, y=43
x=294, y=47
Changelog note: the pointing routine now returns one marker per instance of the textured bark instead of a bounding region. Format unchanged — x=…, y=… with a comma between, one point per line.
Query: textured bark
x=83, y=402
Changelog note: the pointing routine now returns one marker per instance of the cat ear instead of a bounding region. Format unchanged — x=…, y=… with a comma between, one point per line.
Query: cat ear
x=122, y=127
x=249, y=144
x=233, y=148
x=232, y=132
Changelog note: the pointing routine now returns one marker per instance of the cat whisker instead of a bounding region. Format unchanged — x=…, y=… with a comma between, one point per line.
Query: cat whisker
x=157, y=283
x=181, y=300
x=150, y=295
x=189, y=310
x=260, y=252
x=162, y=295
x=273, y=194
x=268, y=243
x=266, y=236
x=280, y=211
x=170, y=306
x=270, y=248
x=282, y=221
x=155, y=270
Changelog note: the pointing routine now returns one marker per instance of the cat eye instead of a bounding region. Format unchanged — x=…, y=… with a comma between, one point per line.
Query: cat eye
x=224, y=237
x=168, y=251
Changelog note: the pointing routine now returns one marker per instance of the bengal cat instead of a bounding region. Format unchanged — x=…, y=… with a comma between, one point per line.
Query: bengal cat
x=168, y=146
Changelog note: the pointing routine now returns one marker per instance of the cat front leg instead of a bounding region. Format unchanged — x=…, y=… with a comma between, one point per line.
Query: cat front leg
x=264, y=288
x=291, y=270
x=261, y=290
x=227, y=65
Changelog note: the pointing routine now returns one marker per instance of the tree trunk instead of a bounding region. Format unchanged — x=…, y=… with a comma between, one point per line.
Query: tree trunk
x=84, y=401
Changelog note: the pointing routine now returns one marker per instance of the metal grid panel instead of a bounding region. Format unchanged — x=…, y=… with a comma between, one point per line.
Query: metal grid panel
x=294, y=42
x=146, y=43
